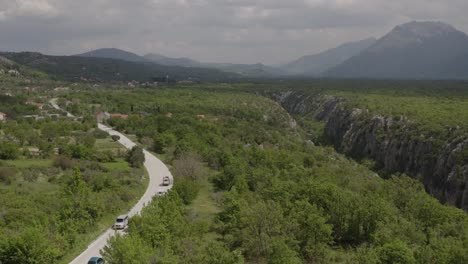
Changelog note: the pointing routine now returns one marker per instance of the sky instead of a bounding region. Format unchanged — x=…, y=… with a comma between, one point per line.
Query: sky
x=237, y=31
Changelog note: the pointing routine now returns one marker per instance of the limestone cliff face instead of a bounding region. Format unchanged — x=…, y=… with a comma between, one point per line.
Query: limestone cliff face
x=394, y=143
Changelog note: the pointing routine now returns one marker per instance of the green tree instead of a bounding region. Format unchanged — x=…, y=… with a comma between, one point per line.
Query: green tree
x=131, y=249
x=8, y=150
x=136, y=157
x=396, y=252
x=311, y=230
x=79, y=211
x=30, y=246
x=262, y=222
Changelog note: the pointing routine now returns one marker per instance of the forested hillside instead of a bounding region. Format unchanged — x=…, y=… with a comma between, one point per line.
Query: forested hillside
x=251, y=187
x=78, y=69
x=417, y=128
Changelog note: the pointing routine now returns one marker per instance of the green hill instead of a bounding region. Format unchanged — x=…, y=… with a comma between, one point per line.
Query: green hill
x=71, y=68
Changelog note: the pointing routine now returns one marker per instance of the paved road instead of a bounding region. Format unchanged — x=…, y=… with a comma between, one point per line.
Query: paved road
x=156, y=170
x=54, y=104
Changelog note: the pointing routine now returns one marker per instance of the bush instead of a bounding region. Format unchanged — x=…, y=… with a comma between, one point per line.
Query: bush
x=7, y=175
x=30, y=175
x=63, y=162
x=105, y=156
x=8, y=151
x=396, y=252
x=115, y=137
x=136, y=157
x=188, y=165
x=187, y=189
x=100, y=134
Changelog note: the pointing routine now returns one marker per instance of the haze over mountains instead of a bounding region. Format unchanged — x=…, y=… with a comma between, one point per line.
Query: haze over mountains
x=415, y=50
x=317, y=64
x=249, y=70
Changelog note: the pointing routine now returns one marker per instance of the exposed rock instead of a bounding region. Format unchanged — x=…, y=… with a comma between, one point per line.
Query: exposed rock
x=395, y=144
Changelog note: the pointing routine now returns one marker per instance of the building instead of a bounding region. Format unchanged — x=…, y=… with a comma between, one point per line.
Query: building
x=102, y=116
x=3, y=116
x=40, y=106
x=118, y=115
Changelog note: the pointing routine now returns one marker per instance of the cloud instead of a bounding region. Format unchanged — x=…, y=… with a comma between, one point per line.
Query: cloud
x=246, y=31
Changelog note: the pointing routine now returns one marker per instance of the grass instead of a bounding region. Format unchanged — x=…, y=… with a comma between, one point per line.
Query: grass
x=119, y=164
x=107, y=144
x=28, y=163
x=204, y=209
x=204, y=206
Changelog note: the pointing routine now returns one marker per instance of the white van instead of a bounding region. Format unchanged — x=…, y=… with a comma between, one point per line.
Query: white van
x=121, y=222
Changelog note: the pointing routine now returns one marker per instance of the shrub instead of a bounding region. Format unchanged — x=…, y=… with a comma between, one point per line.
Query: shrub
x=63, y=162
x=7, y=175
x=187, y=189
x=136, y=157
x=188, y=165
x=8, y=151
x=115, y=137
x=396, y=252
x=100, y=134
x=30, y=175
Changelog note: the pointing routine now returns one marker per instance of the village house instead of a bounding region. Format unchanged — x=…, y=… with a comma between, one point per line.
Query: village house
x=40, y=106
x=61, y=89
x=14, y=73
x=3, y=116
x=118, y=115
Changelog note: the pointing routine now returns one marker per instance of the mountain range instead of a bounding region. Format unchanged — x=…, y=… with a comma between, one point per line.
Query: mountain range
x=246, y=70
x=415, y=50
x=96, y=69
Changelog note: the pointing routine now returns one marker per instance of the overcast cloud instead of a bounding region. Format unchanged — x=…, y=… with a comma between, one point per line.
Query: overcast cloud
x=240, y=31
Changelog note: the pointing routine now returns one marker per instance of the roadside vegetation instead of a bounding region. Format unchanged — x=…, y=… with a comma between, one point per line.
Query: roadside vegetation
x=62, y=182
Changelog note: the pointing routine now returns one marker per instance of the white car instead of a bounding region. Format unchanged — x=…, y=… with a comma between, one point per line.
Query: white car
x=166, y=181
x=121, y=222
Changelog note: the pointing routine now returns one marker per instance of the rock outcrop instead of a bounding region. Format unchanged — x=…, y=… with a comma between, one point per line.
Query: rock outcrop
x=396, y=144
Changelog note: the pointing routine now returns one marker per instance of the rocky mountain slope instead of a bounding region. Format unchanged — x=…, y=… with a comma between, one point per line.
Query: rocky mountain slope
x=394, y=143
x=416, y=50
x=314, y=65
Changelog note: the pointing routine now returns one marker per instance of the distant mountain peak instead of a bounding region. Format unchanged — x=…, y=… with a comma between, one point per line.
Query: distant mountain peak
x=113, y=53
x=415, y=50
x=415, y=32
x=426, y=28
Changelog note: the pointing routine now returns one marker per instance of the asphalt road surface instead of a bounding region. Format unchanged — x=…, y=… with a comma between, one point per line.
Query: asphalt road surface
x=156, y=170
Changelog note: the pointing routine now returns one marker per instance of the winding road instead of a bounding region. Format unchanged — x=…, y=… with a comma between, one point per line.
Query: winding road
x=156, y=171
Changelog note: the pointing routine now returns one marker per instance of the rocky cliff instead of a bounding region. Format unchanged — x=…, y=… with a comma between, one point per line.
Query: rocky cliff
x=396, y=144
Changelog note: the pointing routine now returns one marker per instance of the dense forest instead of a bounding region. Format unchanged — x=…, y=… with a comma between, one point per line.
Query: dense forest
x=275, y=197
